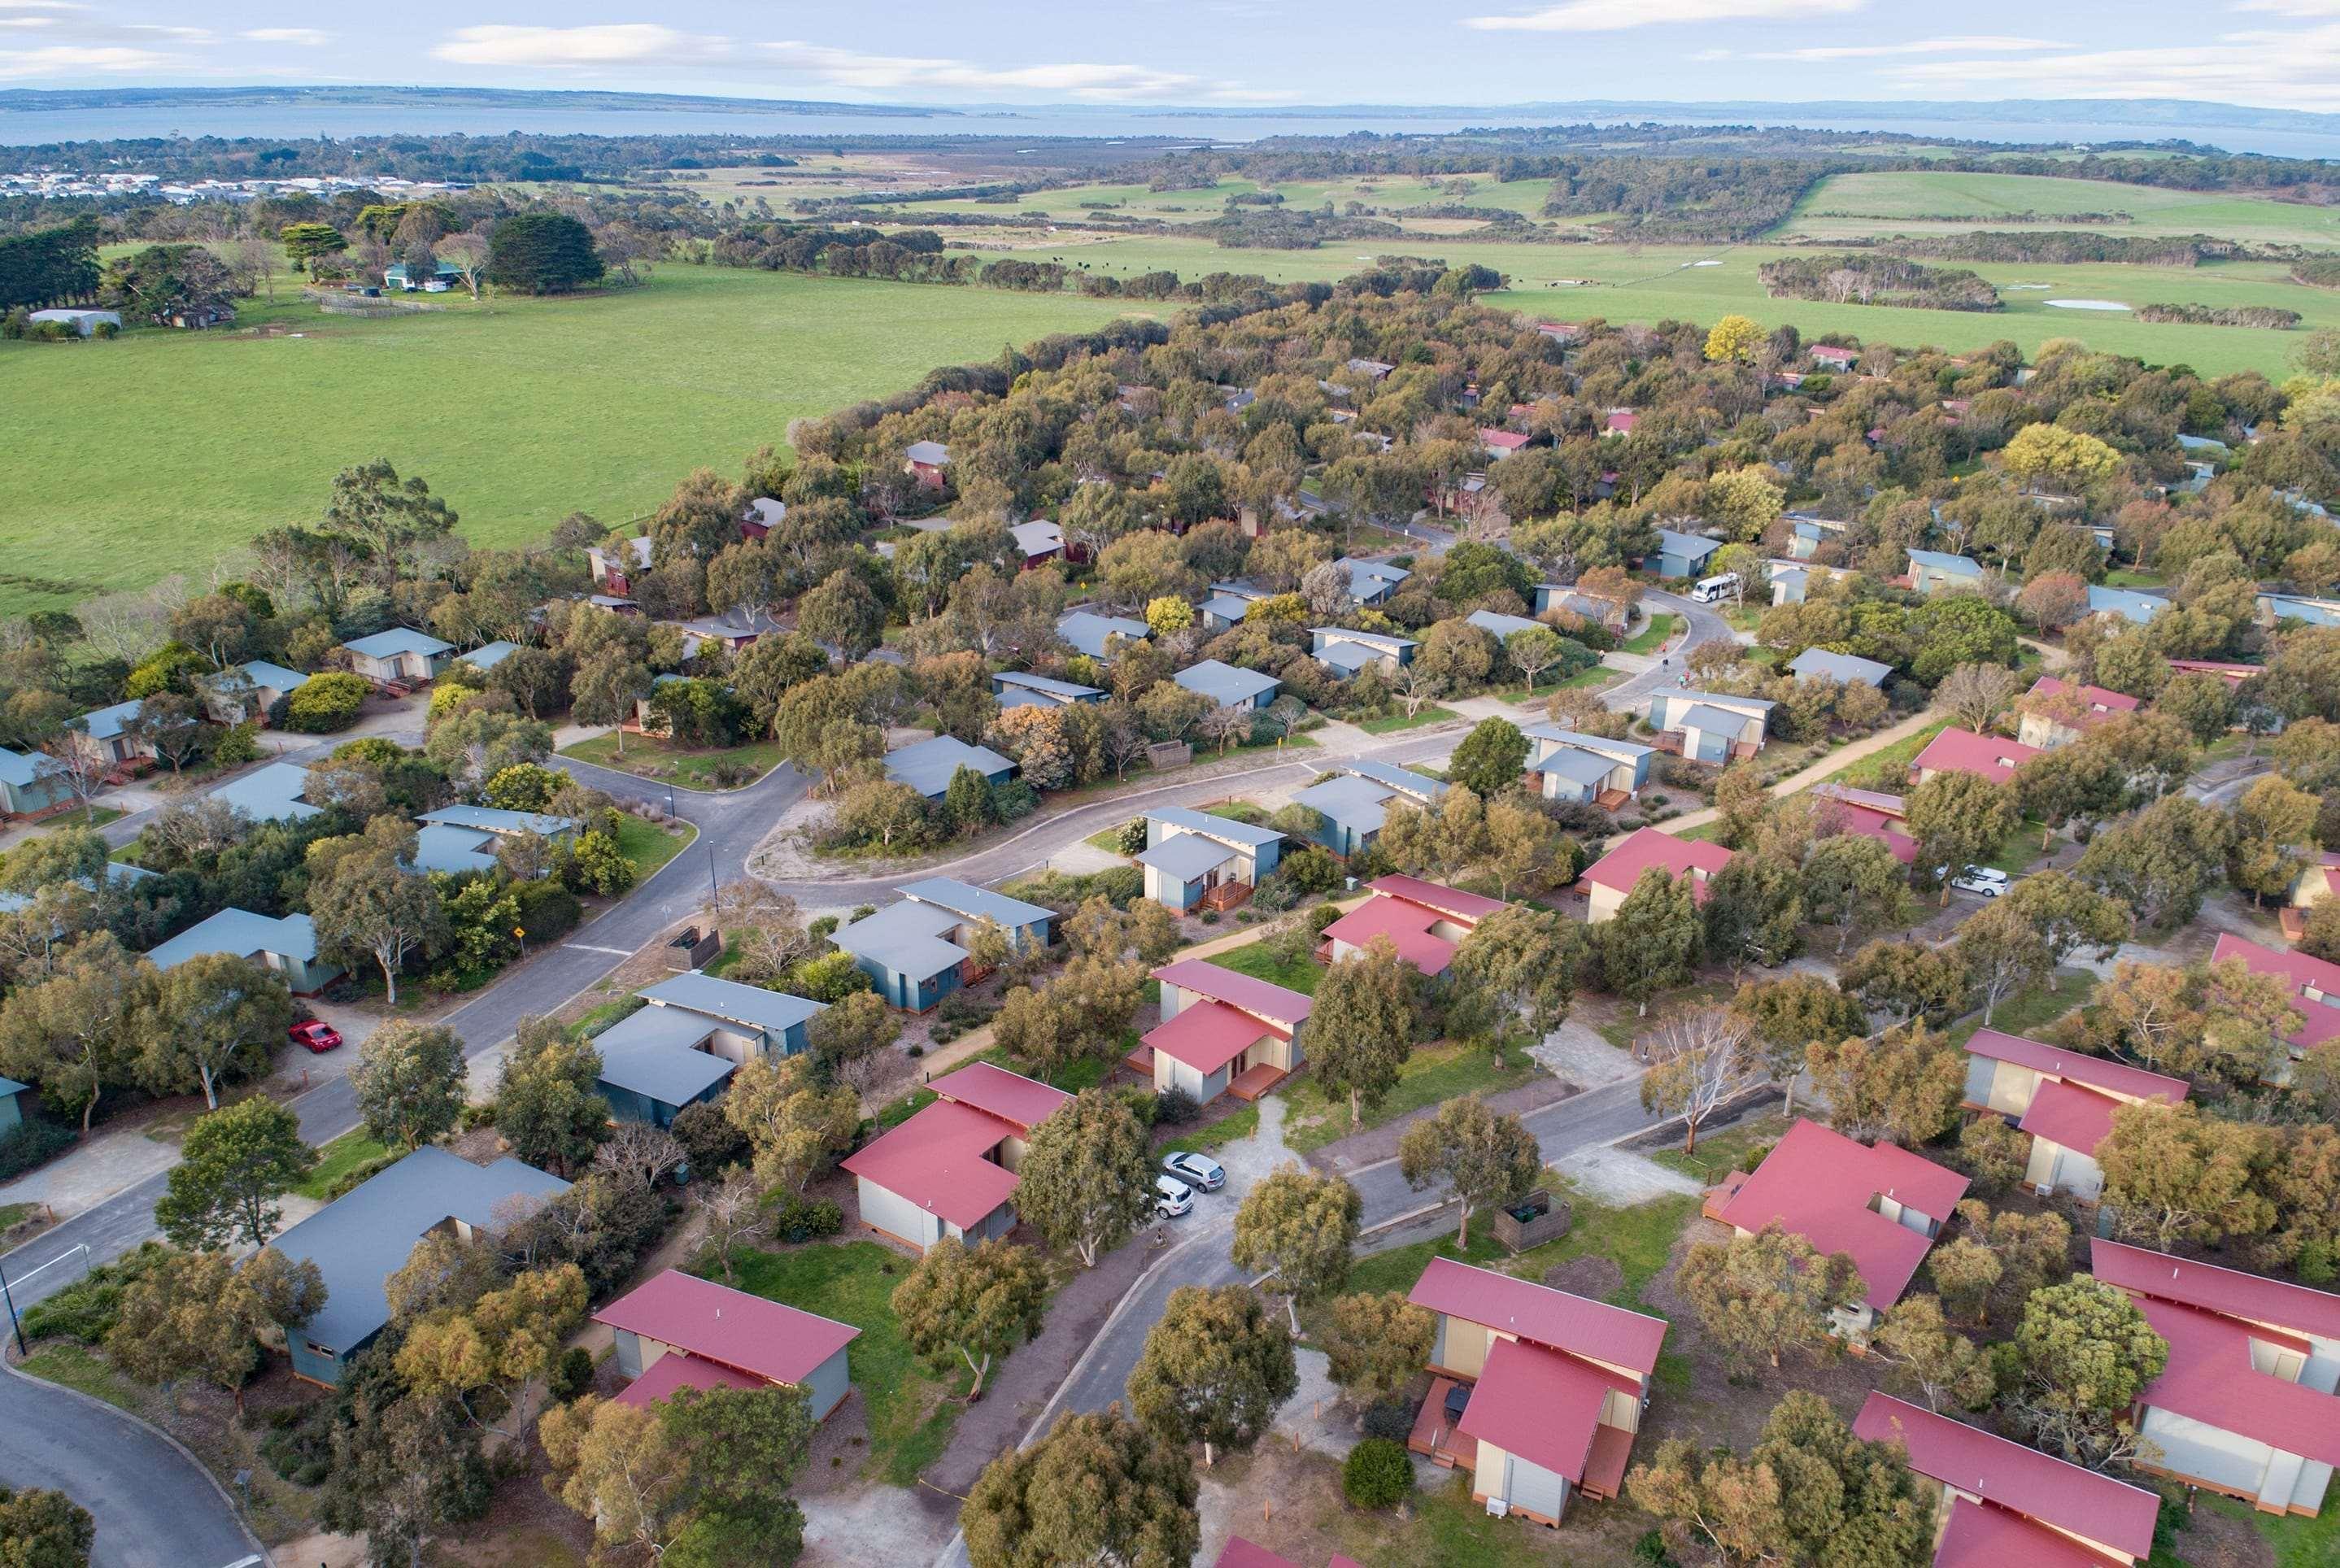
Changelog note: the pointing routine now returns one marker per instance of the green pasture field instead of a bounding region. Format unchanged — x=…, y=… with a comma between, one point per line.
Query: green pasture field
x=1385, y=192
x=1858, y=206
x=161, y=451
x=1652, y=283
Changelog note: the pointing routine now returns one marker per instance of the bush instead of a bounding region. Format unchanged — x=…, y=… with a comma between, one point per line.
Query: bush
x=1142, y=1103
x=299, y=1445
x=800, y=1219
x=237, y=744
x=31, y=1142
x=573, y=1375
x=1377, y=1473
x=525, y=786
x=547, y=909
x=1392, y=1419
x=350, y=1180
x=709, y=1137
x=1130, y=839
x=85, y=1309
x=1174, y=1108
x=325, y=703
x=1209, y=917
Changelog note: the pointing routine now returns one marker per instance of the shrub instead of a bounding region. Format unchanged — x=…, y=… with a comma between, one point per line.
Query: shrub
x=800, y=1219
x=31, y=1142
x=1392, y=1419
x=709, y=1136
x=597, y=864
x=1377, y=1473
x=1142, y=1103
x=85, y=1309
x=525, y=786
x=573, y=1375
x=237, y=744
x=1131, y=836
x=299, y=1445
x=350, y=1180
x=325, y=703
x=1174, y=1108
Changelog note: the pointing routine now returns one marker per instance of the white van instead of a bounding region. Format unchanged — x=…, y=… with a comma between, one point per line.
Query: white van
x=1711, y=589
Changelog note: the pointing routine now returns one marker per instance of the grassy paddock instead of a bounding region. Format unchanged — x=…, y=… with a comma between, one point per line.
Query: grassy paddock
x=337, y=1158
x=1432, y=1075
x=1433, y=714
x=647, y=756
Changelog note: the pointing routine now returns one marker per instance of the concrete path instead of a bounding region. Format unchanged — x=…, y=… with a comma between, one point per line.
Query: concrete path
x=1834, y=762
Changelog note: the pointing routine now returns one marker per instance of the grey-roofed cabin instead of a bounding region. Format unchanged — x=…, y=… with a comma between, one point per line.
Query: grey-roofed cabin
x=288, y=946
x=1373, y=582
x=1091, y=633
x=1552, y=596
x=684, y=1046
x=463, y=839
x=1932, y=571
x=1683, y=554
x=1715, y=725
x=1344, y=652
x=1824, y=664
x=1022, y=689
x=244, y=694
x=1193, y=858
x=927, y=766
x=32, y=786
x=399, y=654
x=916, y=951
x=363, y=1237
x=11, y=1112
x=277, y=793
x=1229, y=687
x=1584, y=767
x=1499, y=626
x=102, y=733
x=1229, y=604
x=1354, y=805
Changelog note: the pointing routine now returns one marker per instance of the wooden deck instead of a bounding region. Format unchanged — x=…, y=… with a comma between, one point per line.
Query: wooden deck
x=1612, y=799
x=1605, y=1467
x=1141, y=1062
x=1433, y=1436
x=1253, y=1082
x=1226, y=896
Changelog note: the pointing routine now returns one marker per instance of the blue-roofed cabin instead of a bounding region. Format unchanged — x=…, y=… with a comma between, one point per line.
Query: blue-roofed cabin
x=1683, y=554
x=244, y=694
x=1088, y=632
x=1608, y=612
x=1352, y=806
x=917, y=951
x=1589, y=768
x=287, y=945
x=1192, y=858
x=1344, y=652
x=928, y=766
x=1022, y=689
x=1373, y=582
x=2275, y=608
x=1715, y=725
x=1807, y=533
x=32, y=786
x=2141, y=607
x=683, y=1047
x=1932, y=571
x=400, y=654
x=1228, y=686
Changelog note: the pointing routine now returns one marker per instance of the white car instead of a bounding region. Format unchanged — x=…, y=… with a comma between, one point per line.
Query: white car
x=1982, y=881
x=1172, y=1198
x=1200, y=1172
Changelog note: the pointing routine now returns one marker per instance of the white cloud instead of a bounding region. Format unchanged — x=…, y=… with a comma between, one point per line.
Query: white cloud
x=1616, y=15
x=307, y=37
x=1976, y=45
x=648, y=43
x=2289, y=70
x=2290, y=7
x=64, y=59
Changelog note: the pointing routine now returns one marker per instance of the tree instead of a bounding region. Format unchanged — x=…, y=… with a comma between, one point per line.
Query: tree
x=1376, y=1343
x=1974, y=695
x=290, y=1293
x=1959, y=819
x=641, y=1151
x=210, y=1016
x=2050, y=452
x=1362, y=1025
x=1753, y=913
x=1768, y=1293
x=366, y=899
x=1733, y=341
x=497, y=1346
x=2079, y=1359
x=619, y=1466
x=70, y=1033
x=1905, y=1085
x=1853, y=883
x=1993, y=1152
x=2174, y=1175
x=1931, y=1359
x=2068, y=916
x=2274, y=839
x=1490, y=1158
x=975, y=1303
x=2003, y=953
x=306, y=244
x=408, y=1081
x=1787, y=1014
x=793, y=1122
x=548, y=1106
x=1490, y=759
x=1519, y=962
x=843, y=614
x=232, y=1167
x=1099, y=1488
x=187, y=1315
x=40, y=1528
x=1296, y=1230
x=1653, y=940
x=403, y=1467
x=1906, y=980
x=740, y=1447
x=542, y=253
x=1086, y=1181
x=849, y=1038
x=2160, y=862
x=1745, y=501
x=606, y=688
x=1699, y=1058
x=1534, y=649
x=1213, y=1371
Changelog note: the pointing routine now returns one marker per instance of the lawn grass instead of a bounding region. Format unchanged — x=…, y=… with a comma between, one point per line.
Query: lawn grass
x=1647, y=640
x=1625, y=1028
x=649, y=846
x=2028, y=1011
x=1897, y=756
x=2296, y=1542
x=1085, y=1074
x=94, y=817
x=1704, y=833
x=1237, y=811
x=1432, y=1075
x=2022, y=849
x=1725, y=1150
x=1433, y=714
x=1598, y=677
x=75, y=1366
x=1253, y=958
x=1637, y=1238
x=647, y=756
x=13, y=1215
x=1230, y=1128
x=519, y=415
x=2133, y=577
x=336, y=1159
x=1105, y=839
x=910, y=1413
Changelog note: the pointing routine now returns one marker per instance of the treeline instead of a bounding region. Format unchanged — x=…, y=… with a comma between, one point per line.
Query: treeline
x=2048, y=247
x=49, y=266
x=1871, y=280
x=1686, y=199
x=2317, y=272
x=1285, y=230
x=2222, y=316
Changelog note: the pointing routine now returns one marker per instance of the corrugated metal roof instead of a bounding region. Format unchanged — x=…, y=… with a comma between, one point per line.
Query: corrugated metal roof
x=975, y=903
x=1207, y=1035
x=242, y=933
x=1818, y=1183
x=1011, y=1096
x=1643, y=847
x=397, y=640
x=1224, y=684
x=772, y=1011
x=1259, y=998
x=935, y=1160
x=2077, y=1066
x=1557, y=1318
x=927, y=766
x=767, y=1338
x=2251, y=1296
x=1249, y=834
x=2211, y=1378
x=1185, y=856
x=1539, y=1404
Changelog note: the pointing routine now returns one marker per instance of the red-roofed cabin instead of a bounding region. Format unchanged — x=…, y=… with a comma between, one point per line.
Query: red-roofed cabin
x=2318, y=882
x=1964, y=751
x=2314, y=984
x=1833, y=357
x=2064, y=1099
x=1620, y=421
x=1500, y=444
x=2246, y=1404
x=1221, y=1032
x=1423, y=920
x=677, y=1331
x=2056, y=713
x=950, y=1169
x=1539, y=1393
x=1882, y=1205
x=1999, y=1505
x=2234, y=675
x=1871, y=814
x=1610, y=878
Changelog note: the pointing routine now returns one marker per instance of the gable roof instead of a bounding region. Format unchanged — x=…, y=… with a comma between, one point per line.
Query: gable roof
x=768, y=1338
x=242, y=933
x=1184, y=857
x=1248, y=834
x=1011, y=1096
x=1992, y=757
x=2211, y=1378
x=494, y=819
x=1692, y=547
x=1224, y=684
x=935, y=1160
x=2299, y=970
x=1556, y=1318
x=1261, y=998
x=1845, y=667
x=670, y=1374
x=1621, y=750
x=1643, y=847
x=106, y=723
x=905, y=937
x=2038, y=1486
x=2252, y=1298
x=1069, y=690
x=1353, y=802
x=1373, y=579
x=1388, y=641
x=2094, y=696
x=1712, y=720
x=2072, y=1115
x=1539, y=1404
x=926, y=766
x=973, y=902
x=774, y=1012
x=1227, y=607
x=1207, y=1034
x=396, y=641
x=653, y=1052
x=1577, y=765
x=1472, y=907
x=933, y=453
x=1942, y=562
x=487, y=655
x=1089, y=632
x=1037, y=537
x=1399, y=780
x=1818, y=1182
x=1406, y=925
x=2077, y=1066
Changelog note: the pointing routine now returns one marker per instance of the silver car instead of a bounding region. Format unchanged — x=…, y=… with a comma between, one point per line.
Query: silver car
x=1172, y=1198
x=1200, y=1172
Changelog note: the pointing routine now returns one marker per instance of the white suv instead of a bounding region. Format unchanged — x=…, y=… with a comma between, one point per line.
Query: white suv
x=1172, y=1198
x=1982, y=881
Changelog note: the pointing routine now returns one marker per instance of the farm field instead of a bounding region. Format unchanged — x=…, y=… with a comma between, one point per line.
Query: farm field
x=1859, y=206
x=1652, y=283
x=162, y=451
x=1386, y=193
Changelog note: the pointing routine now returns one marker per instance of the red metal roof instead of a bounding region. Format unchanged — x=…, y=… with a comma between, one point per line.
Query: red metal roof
x=2094, y=696
x=2078, y=1118
x=2013, y=1476
x=1977, y=1535
x=675, y=1371
x=936, y=1160
x=2075, y=1066
x=767, y=1338
x=1405, y=924
x=1870, y=823
x=1818, y=1183
x=2250, y=1296
x=1646, y=847
x=1876, y=800
x=1537, y=1404
x=2210, y=1379
x=1011, y=1096
x=1260, y=998
x=1574, y=1324
x=1469, y=909
x=2322, y=1019
x=1207, y=1035
x=1993, y=756
x=1504, y=440
x=2234, y=675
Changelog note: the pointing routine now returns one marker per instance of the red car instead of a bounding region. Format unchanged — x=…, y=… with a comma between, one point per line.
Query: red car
x=316, y=1033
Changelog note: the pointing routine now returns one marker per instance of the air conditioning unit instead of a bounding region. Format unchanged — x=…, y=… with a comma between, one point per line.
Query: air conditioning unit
x=2044, y=1190
x=1498, y=1507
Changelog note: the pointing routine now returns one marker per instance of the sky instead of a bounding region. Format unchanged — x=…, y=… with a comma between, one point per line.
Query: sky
x=2282, y=53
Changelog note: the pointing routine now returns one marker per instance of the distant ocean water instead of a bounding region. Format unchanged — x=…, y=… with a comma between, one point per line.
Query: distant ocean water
x=295, y=122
